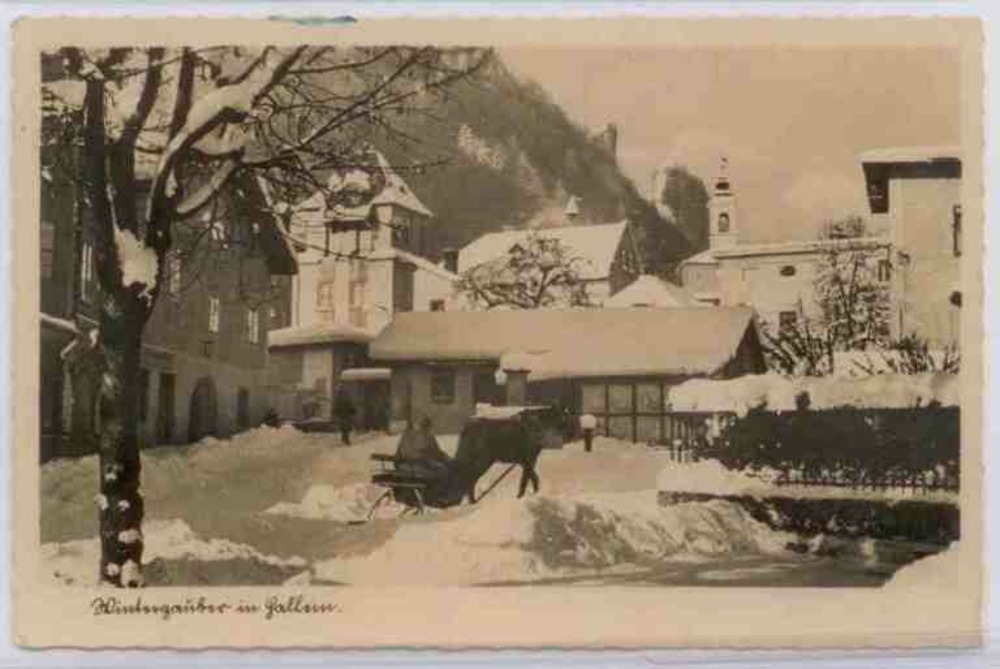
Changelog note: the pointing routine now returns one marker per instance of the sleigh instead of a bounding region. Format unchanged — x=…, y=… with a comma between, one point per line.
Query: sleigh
x=406, y=482
x=493, y=434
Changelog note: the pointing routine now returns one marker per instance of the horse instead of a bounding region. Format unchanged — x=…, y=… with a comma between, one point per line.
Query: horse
x=515, y=440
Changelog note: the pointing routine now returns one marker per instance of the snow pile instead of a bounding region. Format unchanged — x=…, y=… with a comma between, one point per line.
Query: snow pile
x=345, y=504
x=138, y=263
x=778, y=393
x=738, y=395
x=255, y=438
x=939, y=571
x=76, y=562
x=548, y=537
x=710, y=477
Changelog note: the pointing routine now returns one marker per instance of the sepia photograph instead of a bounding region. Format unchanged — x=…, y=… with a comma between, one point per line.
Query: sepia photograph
x=508, y=317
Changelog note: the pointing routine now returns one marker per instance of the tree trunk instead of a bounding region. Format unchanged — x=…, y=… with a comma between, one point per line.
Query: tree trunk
x=119, y=502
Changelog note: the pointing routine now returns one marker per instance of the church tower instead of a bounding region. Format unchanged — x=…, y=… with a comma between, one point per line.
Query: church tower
x=723, y=230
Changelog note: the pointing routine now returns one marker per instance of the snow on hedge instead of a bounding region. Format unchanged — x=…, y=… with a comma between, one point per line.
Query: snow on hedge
x=345, y=504
x=75, y=562
x=138, y=262
x=544, y=537
x=710, y=477
x=778, y=393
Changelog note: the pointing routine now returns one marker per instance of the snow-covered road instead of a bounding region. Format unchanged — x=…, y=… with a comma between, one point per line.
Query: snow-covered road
x=272, y=505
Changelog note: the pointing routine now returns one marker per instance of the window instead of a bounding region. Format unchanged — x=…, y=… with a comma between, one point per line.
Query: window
x=788, y=270
x=86, y=271
x=213, y=314
x=884, y=270
x=723, y=222
x=325, y=296
x=878, y=194
x=443, y=386
x=218, y=231
x=787, y=320
x=174, y=270
x=253, y=326
x=357, y=295
x=956, y=230
x=48, y=248
x=437, y=305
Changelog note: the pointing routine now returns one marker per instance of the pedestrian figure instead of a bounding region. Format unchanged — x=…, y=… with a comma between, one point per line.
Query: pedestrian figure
x=588, y=424
x=343, y=409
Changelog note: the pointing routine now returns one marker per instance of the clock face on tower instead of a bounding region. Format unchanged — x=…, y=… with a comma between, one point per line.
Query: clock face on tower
x=723, y=225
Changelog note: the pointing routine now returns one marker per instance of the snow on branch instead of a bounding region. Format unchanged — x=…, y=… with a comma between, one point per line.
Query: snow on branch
x=226, y=104
x=138, y=263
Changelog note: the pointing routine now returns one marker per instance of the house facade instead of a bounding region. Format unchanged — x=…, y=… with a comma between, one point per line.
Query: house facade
x=778, y=279
x=915, y=194
x=605, y=255
x=357, y=269
x=614, y=363
x=204, y=351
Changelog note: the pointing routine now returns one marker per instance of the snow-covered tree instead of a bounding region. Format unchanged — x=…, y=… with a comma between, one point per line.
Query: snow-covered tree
x=538, y=272
x=161, y=134
x=853, y=300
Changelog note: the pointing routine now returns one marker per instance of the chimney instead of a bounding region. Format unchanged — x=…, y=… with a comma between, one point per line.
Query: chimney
x=450, y=257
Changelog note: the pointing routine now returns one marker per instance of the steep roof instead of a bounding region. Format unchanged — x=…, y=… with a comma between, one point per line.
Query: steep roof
x=573, y=342
x=594, y=245
x=651, y=291
x=396, y=190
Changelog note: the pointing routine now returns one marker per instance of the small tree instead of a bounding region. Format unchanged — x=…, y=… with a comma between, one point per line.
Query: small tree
x=852, y=296
x=538, y=272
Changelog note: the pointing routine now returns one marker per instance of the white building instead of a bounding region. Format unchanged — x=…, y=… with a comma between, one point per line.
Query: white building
x=914, y=193
x=357, y=268
x=604, y=255
x=776, y=279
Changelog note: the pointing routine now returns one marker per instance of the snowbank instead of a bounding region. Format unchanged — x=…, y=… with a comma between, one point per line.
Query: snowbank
x=263, y=436
x=710, y=477
x=549, y=537
x=345, y=504
x=939, y=571
x=779, y=393
x=76, y=562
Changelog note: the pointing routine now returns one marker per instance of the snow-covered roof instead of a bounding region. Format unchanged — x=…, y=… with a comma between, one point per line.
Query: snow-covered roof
x=594, y=245
x=366, y=374
x=909, y=154
x=318, y=333
x=573, y=342
x=706, y=257
x=651, y=291
x=424, y=264
x=711, y=257
x=396, y=190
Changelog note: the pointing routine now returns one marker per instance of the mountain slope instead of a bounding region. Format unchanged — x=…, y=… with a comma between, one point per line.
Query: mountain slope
x=497, y=152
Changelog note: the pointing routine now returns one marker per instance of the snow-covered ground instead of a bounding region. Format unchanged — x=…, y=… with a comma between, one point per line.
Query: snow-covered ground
x=277, y=505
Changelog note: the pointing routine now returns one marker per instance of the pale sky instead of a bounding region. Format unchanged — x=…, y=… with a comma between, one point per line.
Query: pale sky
x=791, y=121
